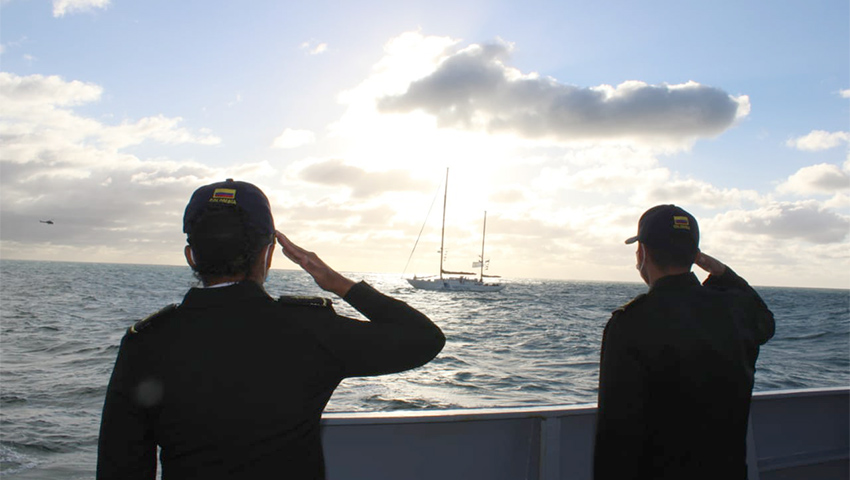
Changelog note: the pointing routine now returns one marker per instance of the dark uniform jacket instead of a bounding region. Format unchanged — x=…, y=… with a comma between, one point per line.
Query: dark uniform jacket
x=232, y=383
x=675, y=380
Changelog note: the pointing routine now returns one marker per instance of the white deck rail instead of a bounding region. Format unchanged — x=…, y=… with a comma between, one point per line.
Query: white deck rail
x=794, y=434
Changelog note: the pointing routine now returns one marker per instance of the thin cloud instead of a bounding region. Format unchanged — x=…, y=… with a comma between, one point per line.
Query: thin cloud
x=291, y=138
x=508, y=195
x=235, y=101
x=314, y=48
x=819, y=140
x=306, y=216
x=607, y=178
x=61, y=7
x=696, y=192
x=845, y=93
x=159, y=129
x=642, y=184
x=12, y=44
x=806, y=220
x=362, y=184
x=474, y=89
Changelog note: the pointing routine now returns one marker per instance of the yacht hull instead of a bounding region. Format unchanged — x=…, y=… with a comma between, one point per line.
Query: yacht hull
x=453, y=285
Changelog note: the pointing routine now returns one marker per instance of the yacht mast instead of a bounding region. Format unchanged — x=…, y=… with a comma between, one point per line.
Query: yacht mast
x=443, y=231
x=481, y=273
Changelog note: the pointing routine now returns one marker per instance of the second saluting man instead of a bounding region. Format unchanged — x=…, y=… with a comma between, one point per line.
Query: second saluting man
x=678, y=363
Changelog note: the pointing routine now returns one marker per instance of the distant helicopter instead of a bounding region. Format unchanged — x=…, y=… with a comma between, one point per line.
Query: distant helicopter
x=49, y=222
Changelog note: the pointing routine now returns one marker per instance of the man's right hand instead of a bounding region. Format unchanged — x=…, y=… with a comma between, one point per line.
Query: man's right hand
x=710, y=264
x=326, y=277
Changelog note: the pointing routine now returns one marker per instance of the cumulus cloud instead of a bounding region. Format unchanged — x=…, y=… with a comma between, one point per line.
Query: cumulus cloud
x=40, y=119
x=293, y=138
x=57, y=164
x=823, y=178
x=126, y=210
x=845, y=93
x=362, y=184
x=805, y=220
x=838, y=201
x=20, y=94
x=474, y=89
x=61, y=7
x=819, y=140
x=40, y=104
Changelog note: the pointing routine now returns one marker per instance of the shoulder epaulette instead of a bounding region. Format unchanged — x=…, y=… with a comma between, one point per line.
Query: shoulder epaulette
x=148, y=321
x=297, y=300
x=630, y=304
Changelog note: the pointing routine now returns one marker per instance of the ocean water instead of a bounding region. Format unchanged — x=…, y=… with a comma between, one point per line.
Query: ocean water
x=535, y=343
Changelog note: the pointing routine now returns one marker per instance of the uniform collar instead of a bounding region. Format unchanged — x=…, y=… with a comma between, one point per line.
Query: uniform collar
x=676, y=281
x=224, y=295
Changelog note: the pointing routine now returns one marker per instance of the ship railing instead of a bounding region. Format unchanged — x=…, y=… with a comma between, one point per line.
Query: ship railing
x=792, y=434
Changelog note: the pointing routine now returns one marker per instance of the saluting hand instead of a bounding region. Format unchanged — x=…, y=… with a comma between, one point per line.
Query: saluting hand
x=710, y=264
x=326, y=277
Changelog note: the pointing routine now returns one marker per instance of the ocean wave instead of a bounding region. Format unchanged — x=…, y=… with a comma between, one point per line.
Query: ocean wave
x=448, y=360
x=391, y=404
x=13, y=461
x=810, y=336
x=12, y=399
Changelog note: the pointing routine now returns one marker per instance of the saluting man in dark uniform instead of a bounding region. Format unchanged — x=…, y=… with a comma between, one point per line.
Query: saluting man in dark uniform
x=677, y=366
x=231, y=383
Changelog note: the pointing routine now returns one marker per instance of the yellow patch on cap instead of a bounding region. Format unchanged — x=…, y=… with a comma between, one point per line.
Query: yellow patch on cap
x=681, y=222
x=224, y=195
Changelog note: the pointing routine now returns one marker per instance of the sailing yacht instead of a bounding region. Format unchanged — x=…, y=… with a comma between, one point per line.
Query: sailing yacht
x=461, y=281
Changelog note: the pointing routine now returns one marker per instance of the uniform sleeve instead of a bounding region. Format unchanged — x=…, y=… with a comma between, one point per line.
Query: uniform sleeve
x=621, y=414
x=126, y=448
x=397, y=337
x=763, y=323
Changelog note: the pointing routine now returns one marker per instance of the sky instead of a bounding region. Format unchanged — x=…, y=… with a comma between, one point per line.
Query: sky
x=562, y=120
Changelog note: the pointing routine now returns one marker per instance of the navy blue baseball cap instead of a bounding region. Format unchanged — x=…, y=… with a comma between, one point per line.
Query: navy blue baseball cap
x=242, y=195
x=668, y=227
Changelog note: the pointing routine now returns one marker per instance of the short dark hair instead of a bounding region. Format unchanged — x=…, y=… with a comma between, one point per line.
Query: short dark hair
x=671, y=257
x=224, y=243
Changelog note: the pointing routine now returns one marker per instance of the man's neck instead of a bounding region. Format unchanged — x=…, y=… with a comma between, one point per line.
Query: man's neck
x=224, y=281
x=656, y=274
x=257, y=274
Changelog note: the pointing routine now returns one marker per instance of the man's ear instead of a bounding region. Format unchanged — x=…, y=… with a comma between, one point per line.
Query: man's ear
x=190, y=256
x=269, y=255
